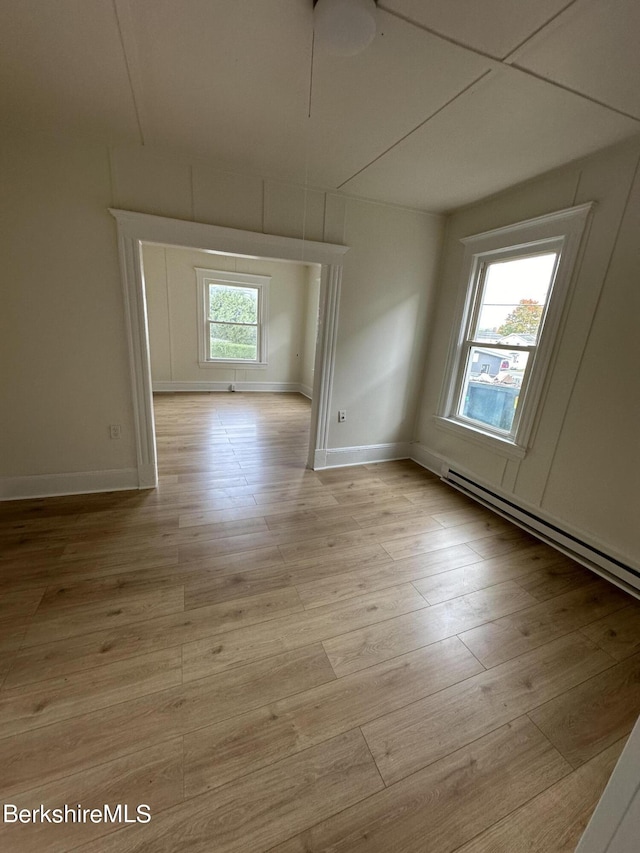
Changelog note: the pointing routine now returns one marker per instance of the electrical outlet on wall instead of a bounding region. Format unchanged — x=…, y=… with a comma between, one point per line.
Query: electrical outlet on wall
x=115, y=431
x=342, y=415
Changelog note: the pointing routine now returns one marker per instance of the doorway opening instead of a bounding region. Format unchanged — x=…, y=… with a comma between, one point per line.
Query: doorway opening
x=225, y=323
x=137, y=229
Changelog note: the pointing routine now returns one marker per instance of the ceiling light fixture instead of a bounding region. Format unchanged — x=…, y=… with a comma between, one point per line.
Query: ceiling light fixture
x=344, y=27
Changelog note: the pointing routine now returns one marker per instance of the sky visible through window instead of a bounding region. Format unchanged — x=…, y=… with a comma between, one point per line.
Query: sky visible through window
x=507, y=283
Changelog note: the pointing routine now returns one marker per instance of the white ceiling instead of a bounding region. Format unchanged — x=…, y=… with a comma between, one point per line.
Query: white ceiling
x=454, y=100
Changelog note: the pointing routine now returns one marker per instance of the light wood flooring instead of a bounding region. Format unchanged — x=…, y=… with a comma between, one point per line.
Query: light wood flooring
x=274, y=659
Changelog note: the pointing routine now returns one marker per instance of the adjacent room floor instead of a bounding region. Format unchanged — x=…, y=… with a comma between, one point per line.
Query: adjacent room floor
x=272, y=658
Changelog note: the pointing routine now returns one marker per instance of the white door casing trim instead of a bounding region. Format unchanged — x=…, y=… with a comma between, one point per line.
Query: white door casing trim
x=136, y=228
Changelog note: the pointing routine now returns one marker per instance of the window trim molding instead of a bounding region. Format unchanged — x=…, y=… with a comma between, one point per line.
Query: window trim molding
x=236, y=279
x=563, y=229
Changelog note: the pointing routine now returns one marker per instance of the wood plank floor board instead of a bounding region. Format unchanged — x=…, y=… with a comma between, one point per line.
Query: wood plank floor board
x=222, y=530
x=276, y=574
x=338, y=587
x=205, y=657
x=442, y=806
x=152, y=776
x=410, y=546
x=349, y=652
x=504, y=541
x=104, y=615
x=555, y=819
x=16, y=609
x=45, y=702
x=240, y=745
x=217, y=647
x=82, y=652
x=42, y=755
x=618, y=633
x=562, y=576
x=106, y=589
x=302, y=537
x=590, y=717
x=59, y=572
x=480, y=573
x=510, y=636
x=261, y=810
x=409, y=739
x=387, y=535
x=194, y=519
x=128, y=544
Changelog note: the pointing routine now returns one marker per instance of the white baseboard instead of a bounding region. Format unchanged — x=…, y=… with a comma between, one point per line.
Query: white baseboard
x=340, y=457
x=79, y=483
x=306, y=391
x=431, y=461
x=288, y=387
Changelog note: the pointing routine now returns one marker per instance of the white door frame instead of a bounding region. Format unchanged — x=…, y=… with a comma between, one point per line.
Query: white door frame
x=136, y=228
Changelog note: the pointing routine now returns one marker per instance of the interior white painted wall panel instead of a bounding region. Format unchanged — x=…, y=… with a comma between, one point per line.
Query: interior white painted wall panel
x=292, y=211
x=232, y=200
x=387, y=288
x=583, y=465
x=311, y=326
x=65, y=374
x=64, y=390
x=170, y=282
x=596, y=468
x=606, y=179
x=157, y=293
x=148, y=182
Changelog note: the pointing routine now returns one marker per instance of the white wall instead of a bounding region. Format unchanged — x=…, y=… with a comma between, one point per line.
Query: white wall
x=583, y=466
x=66, y=377
x=387, y=293
x=311, y=329
x=171, y=289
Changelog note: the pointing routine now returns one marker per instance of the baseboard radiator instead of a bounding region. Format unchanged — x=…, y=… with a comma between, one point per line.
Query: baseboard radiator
x=609, y=567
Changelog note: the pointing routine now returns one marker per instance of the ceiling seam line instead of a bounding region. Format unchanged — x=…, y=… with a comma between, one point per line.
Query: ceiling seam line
x=539, y=30
x=437, y=34
x=129, y=77
x=571, y=91
x=417, y=127
x=504, y=64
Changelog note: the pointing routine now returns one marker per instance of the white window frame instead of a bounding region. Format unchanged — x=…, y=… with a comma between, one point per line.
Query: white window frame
x=204, y=278
x=559, y=232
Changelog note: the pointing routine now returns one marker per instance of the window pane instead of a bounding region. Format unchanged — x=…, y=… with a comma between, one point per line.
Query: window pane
x=238, y=342
x=233, y=304
x=491, y=387
x=513, y=299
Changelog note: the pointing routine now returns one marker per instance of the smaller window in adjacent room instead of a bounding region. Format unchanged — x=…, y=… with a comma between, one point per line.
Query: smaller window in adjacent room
x=232, y=318
x=516, y=280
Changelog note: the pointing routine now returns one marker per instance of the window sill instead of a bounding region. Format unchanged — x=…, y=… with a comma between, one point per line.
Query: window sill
x=502, y=446
x=236, y=365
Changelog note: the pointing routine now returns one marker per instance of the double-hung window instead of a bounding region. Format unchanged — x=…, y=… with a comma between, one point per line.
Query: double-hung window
x=515, y=284
x=232, y=318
